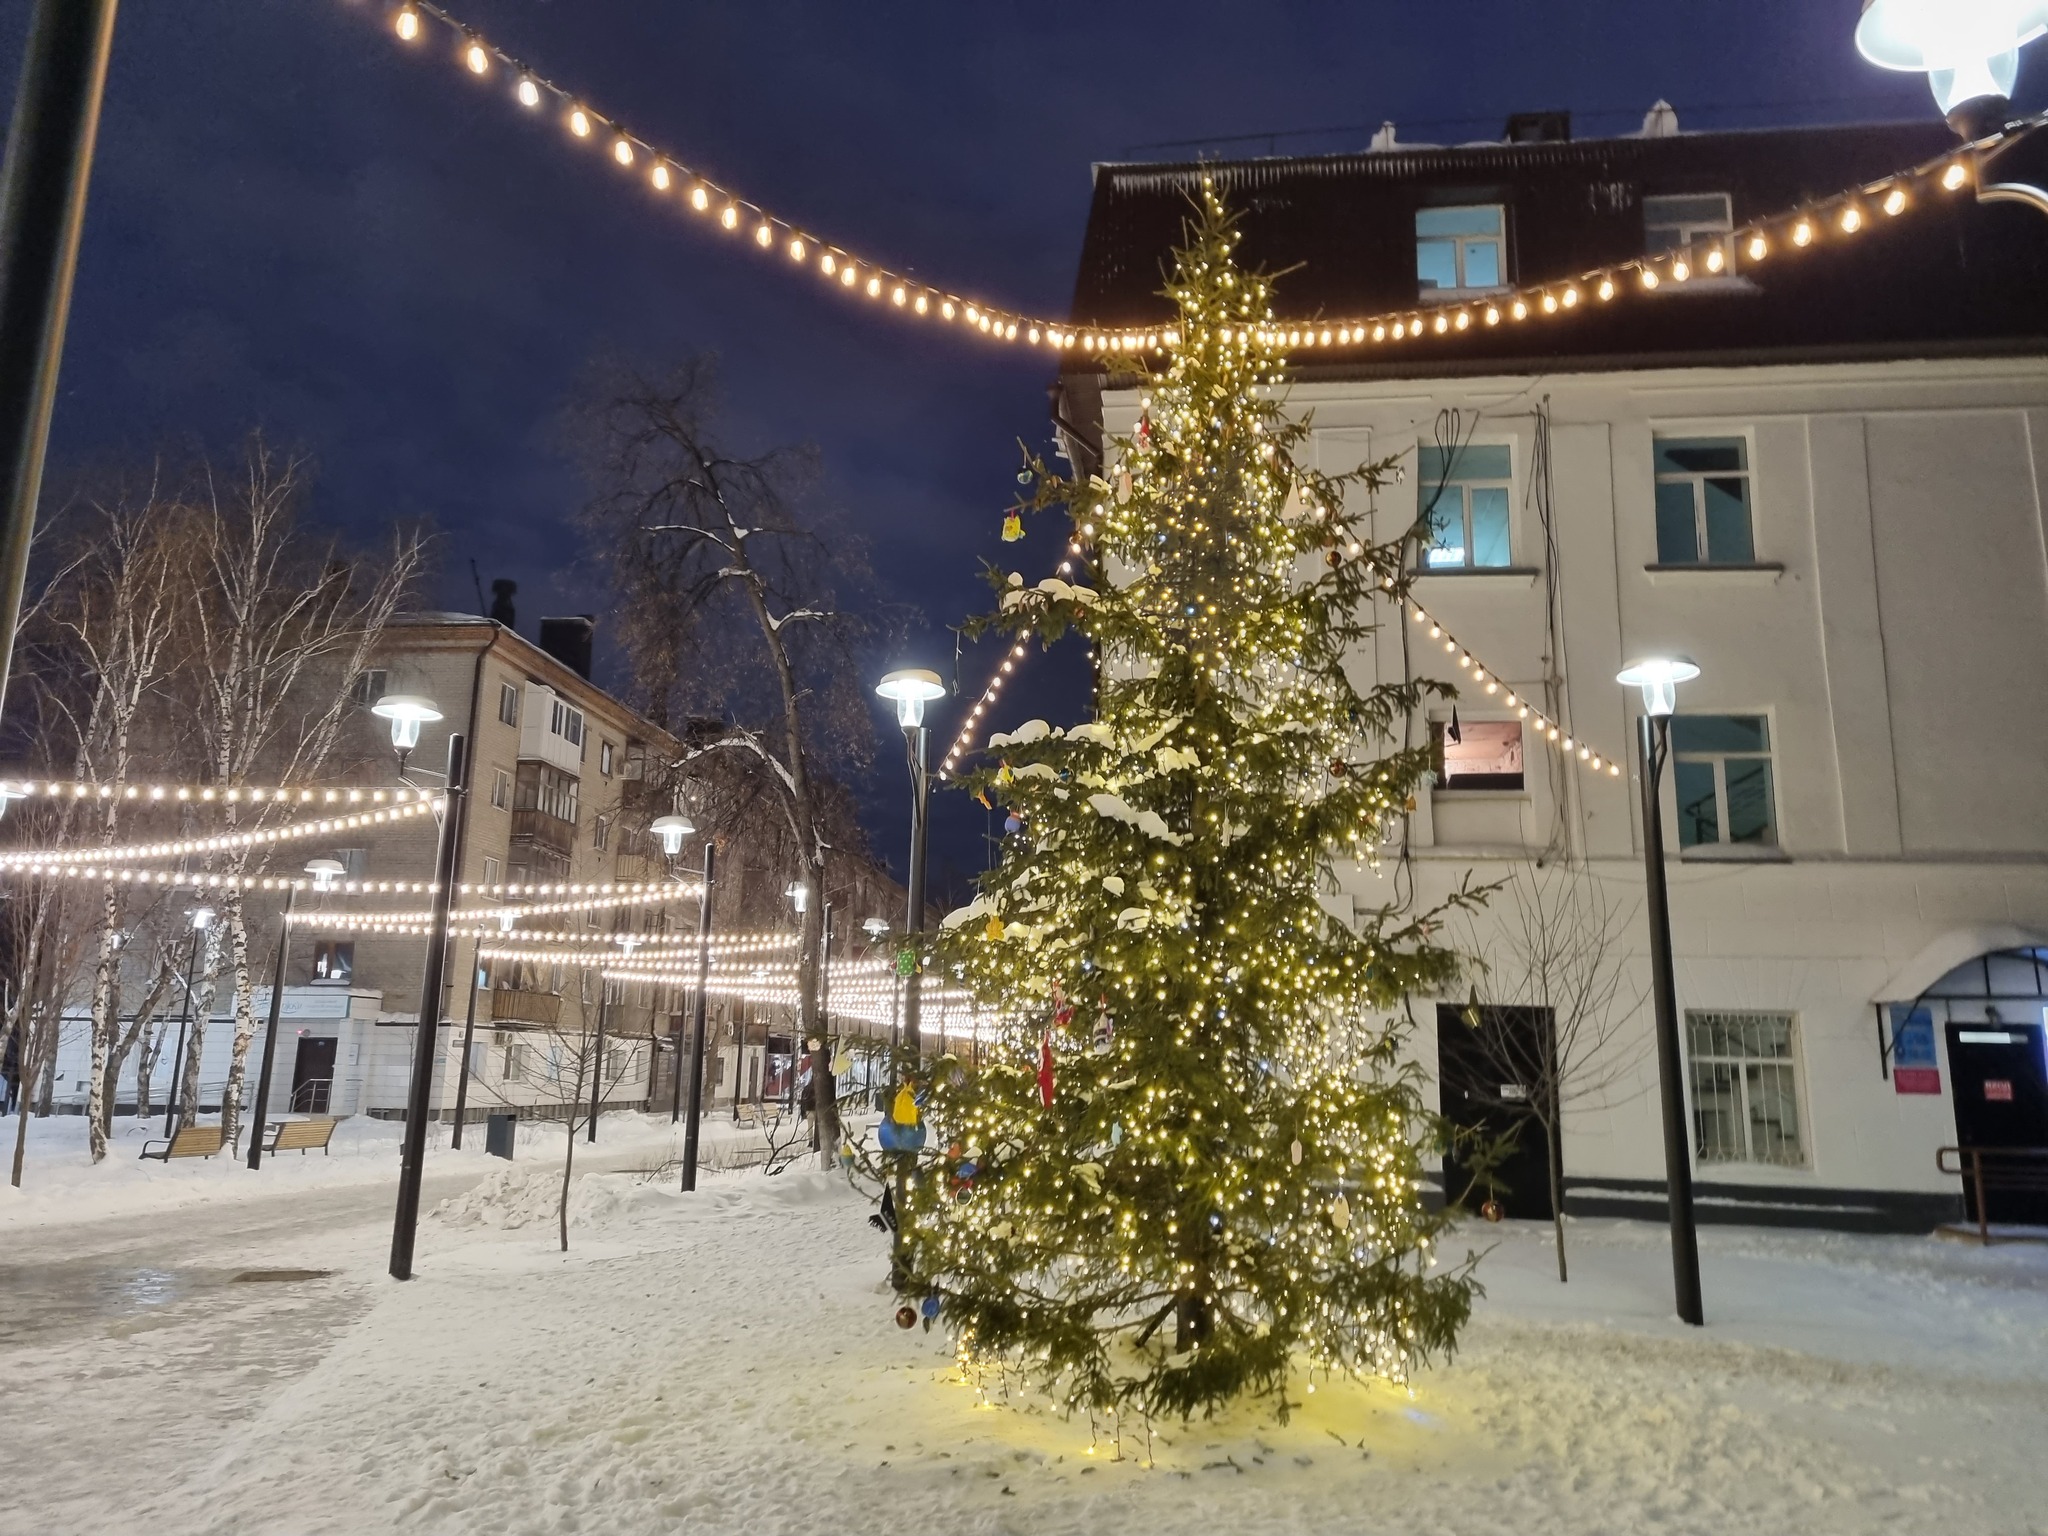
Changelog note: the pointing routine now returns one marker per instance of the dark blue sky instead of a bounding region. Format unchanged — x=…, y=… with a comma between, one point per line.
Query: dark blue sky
x=298, y=223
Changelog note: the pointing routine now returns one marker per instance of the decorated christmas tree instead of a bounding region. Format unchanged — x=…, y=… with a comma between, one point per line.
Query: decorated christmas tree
x=1192, y=1166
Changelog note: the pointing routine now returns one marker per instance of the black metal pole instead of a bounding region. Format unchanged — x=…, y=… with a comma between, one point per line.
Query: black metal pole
x=1652, y=742
x=412, y=1163
x=284, y=944
x=691, y=1127
x=468, y=1040
x=42, y=211
x=184, y=1019
x=920, y=792
x=822, y=1084
x=604, y=1002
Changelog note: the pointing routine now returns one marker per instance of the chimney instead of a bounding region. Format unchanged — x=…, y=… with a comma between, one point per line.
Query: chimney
x=568, y=640
x=502, y=611
x=1539, y=128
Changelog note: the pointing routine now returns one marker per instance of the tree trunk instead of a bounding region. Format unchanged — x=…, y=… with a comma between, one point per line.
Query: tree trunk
x=98, y=1105
x=125, y=1042
x=569, y=1157
x=1553, y=1138
x=202, y=1012
x=245, y=1015
x=152, y=1042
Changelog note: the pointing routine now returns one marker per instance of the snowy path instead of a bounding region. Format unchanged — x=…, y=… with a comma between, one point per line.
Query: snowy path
x=726, y=1363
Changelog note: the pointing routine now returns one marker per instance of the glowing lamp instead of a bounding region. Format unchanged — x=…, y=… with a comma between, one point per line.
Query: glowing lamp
x=325, y=872
x=671, y=830
x=407, y=712
x=202, y=918
x=1968, y=49
x=911, y=688
x=1658, y=677
x=799, y=896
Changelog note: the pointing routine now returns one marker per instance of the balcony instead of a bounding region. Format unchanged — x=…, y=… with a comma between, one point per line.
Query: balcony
x=550, y=832
x=515, y=1006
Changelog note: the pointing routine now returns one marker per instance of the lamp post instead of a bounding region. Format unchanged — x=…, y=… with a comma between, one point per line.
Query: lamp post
x=693, y=1126
x=799, y=895
x=1969, y=50
x=910, y=689
x=201, y=919
x=1659, y=677
x=323, y=872
x=405, y=1221
x=407, y=712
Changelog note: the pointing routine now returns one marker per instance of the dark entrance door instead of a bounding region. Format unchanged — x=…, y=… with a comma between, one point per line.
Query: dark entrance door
x=2001, y=1097
x=313, y=1074
x=1486, y=1074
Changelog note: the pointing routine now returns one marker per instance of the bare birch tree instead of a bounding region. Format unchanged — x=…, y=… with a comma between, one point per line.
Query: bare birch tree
x=1558, y=949
x=741, y=602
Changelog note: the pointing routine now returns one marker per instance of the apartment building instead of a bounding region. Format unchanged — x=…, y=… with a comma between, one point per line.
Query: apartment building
x=1823, y=478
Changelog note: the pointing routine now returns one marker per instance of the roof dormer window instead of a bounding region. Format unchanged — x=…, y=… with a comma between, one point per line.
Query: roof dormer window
x=1461, y=249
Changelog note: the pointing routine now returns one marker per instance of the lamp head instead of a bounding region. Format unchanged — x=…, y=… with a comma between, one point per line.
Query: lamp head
x=672, y=829
x=911, y=688
x=799, y=895
x=875, y=927
x=325, y=872
x=202, y=918
x=1658, y=677
x=1969, y=50
x=407, y=712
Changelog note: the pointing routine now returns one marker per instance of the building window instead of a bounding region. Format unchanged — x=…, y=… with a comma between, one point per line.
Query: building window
x=545, y=788
x=512, y=1063
x=615, y=1063
x=369, y=686
x=501, y=789
x=1745, y=1087
x=508, y=703
x=1721, y=767
x=600, y=832
x=354, y=862
x=491, y=869
x=1460, y=249
x=566, y=721
x=334, y=960
x=1695, y=219
x=1703, y=501
x=1476, y=754
x=1464, y=500
x=604, y=759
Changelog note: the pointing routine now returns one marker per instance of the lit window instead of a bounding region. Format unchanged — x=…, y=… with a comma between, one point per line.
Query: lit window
x=1464, y=499
x=508, y=704
x=1476, y=754
x=1459, y=249
x=1721, y=767
x=1745, y=1087
x=1693, y=219
x=334, y=960
x=1703, y=501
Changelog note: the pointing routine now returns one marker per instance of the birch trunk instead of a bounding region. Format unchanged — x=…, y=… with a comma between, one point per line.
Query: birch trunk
x=138, y=1029
x=98, y=1107
x=245, y=1015
x=202, y=1013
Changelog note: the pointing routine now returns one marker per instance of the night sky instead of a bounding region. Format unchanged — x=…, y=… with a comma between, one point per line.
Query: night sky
x=300, y=224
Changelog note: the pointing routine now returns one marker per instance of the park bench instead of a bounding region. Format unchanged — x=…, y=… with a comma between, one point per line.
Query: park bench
x=301, y=1136
x=189, y=1141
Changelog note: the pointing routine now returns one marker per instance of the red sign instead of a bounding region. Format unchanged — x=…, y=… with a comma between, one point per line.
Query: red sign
x=1916, y=1079
x=1998, y=1089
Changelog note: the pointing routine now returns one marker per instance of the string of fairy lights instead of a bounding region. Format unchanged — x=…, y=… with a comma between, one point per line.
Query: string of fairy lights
x=208, y=794
x=40, y=859
x=1819, y=223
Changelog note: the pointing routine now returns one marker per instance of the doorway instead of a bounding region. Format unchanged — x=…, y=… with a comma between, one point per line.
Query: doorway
x=313, y=1074
x=1488, y=1075
x=2001, y=1100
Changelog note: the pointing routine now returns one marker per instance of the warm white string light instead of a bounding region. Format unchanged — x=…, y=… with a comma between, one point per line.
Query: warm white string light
x=1492, y=687
x=1004, y=670
x=1844, y=213
x=875, y=999
x=582, y=949
x=208, y=794
x=261, y=837
x=598, y=898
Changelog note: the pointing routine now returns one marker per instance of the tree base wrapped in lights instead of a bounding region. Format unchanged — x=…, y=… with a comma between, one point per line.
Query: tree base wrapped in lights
x=1192, y=1167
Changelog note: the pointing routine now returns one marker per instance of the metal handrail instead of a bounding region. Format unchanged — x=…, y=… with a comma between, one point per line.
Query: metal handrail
x=2012, y=1168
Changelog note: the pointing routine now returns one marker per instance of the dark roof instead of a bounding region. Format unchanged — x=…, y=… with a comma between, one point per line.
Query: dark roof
x=1953, y=276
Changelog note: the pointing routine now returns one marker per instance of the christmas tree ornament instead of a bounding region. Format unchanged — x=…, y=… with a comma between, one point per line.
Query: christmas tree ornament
x=1340, y=1212
x=1105, y=1030
x=1045, y=1071
x=1123, y=486
x=993, y=929
x=1491, y=1210
x=1013, y=528
x=1294, y=1152
x=1011, y=825
x=906, y=1316
x=1062, y=1008
x=1024, y=475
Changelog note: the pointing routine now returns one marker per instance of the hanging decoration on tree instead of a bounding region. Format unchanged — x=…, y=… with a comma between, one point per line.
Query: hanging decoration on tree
x=902, y=1129
x=1013, y=528
x=1142, y=1238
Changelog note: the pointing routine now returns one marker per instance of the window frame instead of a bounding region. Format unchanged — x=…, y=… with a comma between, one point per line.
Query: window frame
x=1458, y=244
x=600, y=831
x=1703, y=558
x=1719, y=758
x=605, y=751
x=1695, y=235
x=327, y=952
x=1446, y=783
x=508, y=704
x=1744, y=1072
x=1464, y=486
x=501, y=789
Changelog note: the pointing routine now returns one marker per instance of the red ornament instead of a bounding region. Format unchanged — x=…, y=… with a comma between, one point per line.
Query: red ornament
x=1491, y=1210
x=906, y=1316
x=1045, y=1069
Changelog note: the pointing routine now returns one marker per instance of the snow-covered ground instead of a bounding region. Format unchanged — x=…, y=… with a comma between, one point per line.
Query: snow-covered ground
x=726, y=1361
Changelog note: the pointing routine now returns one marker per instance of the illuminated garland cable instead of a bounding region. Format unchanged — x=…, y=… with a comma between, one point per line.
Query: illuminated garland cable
x=1847, y=213
x=1573, y=749
x=581, y=949
x=964, y=741
x=875, y=1001
x=600, y=899
x=224, y=842
x=207, y=794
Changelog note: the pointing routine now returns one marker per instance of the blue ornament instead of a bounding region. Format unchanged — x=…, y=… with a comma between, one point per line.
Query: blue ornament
x=1012, y=824
x=930, y=1308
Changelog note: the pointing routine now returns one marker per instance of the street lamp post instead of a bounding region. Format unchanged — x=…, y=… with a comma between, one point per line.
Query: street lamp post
x=323, y=872
x=799, y=895
x=693, y=1126
x=1659, y=677
x=201, y=919
x=412, y=1164
x=911, y=688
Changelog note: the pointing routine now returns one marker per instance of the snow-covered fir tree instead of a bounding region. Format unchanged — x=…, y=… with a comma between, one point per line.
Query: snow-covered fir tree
x=1192, y=1167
